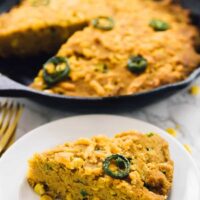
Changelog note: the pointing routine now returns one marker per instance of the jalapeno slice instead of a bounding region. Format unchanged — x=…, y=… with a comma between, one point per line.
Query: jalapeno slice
x=159, y=25
x=55, y=69
x=121, y=163
x=103, y=23
x=137, y=64
x=84, y=193
x=150, y=134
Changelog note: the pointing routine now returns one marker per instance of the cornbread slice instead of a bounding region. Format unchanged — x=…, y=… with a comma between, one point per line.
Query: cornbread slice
x=41, y=26
x=98, y=58
x=76, y=170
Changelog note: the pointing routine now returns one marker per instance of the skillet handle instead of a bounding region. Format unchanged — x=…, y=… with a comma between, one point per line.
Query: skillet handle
x=11, y=88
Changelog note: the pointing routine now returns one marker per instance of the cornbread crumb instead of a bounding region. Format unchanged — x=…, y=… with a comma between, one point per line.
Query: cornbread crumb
x=195, y=90
x=188, y=148
x=172, y=131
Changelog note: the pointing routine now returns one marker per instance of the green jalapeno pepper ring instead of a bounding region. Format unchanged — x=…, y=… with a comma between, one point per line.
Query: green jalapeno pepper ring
x=159, y=25
x=51, y=79
x=137, y=64
x=84, y=193
x=97, y=23
x=122, y=163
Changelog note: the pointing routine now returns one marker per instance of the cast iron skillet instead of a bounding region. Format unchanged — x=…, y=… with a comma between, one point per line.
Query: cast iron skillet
x=17, y=74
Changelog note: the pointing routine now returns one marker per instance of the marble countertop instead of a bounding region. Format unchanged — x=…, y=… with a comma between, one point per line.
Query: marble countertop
x=180, y=112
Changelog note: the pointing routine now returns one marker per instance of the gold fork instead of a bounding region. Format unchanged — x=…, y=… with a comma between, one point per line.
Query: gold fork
x=10, y=116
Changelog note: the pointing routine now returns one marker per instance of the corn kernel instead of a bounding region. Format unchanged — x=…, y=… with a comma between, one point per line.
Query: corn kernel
x=95, y=189
x=61, y=67
x=188, y=148
x=39, y=189
x=172, y=131
x=194, y=90
x=40, y=74
x=101, y=67
x=50, y=68
x=38, y=81
x=78, y=162
x=45, y=197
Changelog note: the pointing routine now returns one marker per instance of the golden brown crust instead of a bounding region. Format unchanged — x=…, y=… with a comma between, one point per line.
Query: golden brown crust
x=77, y=166
x=171, y=54
x=33, y=28
x=30, y=29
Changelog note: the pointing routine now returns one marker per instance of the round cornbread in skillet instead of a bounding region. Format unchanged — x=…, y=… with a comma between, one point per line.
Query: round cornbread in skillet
x=140, y=45
x=131, y=166
x=36, y=27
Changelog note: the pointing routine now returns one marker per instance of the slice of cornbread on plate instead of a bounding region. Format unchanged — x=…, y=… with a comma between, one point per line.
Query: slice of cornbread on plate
x=131, y=166
x=41, y=26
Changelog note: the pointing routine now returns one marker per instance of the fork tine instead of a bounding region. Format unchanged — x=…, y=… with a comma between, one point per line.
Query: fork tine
x=6, y=117
x=11, y=141
x=11, y=130
x=3, y=110
x=3, y=103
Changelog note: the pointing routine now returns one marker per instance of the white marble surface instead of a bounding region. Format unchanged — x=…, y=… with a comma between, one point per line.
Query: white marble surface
x=181, y=110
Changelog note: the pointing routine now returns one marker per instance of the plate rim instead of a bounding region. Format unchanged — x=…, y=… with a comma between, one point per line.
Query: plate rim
x=33, y=131
x=165, y=134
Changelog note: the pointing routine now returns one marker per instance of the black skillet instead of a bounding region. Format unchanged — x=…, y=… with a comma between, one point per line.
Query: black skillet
x=16, y=74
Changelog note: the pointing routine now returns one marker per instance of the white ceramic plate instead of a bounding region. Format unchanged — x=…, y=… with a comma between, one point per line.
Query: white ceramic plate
x=13, y=165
